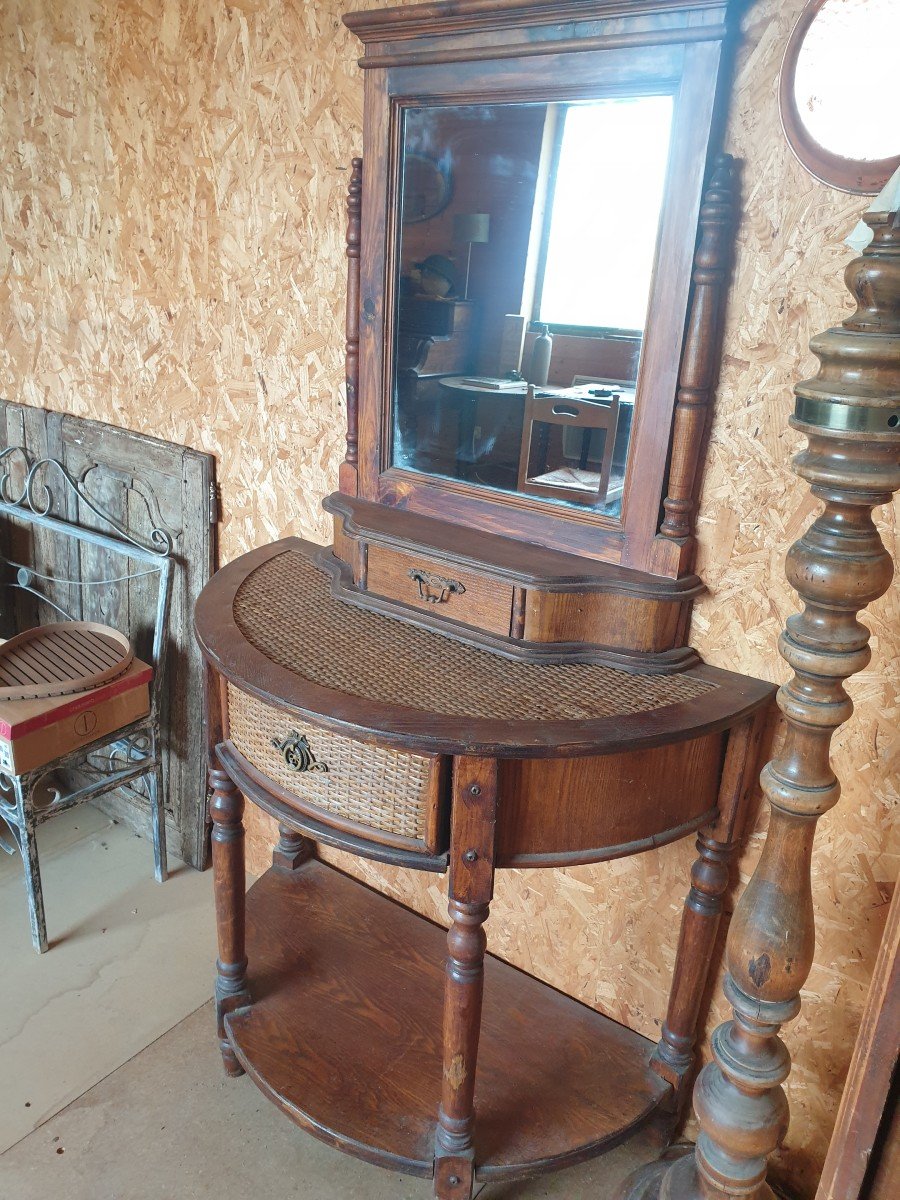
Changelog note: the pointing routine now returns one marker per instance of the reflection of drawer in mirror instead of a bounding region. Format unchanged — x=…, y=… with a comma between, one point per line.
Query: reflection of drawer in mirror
x=440, y=589
x=374, y=792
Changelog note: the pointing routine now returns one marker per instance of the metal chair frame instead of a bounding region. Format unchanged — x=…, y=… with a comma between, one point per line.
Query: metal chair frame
x=128, y=756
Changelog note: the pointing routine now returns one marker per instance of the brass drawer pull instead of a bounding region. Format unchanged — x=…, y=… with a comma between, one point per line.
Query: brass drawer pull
x=297, y=754
x=435, y=589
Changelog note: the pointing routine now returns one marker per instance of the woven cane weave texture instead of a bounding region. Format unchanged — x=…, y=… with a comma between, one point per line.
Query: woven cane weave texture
x=285, y=609
x=384, y=789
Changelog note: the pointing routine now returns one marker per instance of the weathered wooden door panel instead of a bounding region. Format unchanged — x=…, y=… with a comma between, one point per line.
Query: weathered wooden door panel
x=142, y=483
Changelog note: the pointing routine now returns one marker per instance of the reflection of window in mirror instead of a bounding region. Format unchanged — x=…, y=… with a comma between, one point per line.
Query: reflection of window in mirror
x=552, y=218
x=594, y=274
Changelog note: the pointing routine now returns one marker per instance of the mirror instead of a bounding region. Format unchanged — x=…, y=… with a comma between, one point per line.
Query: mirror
x=841, y=124
x=536, y=269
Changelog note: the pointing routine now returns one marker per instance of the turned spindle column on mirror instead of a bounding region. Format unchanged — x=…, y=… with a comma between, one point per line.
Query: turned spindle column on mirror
x=349, y=467
x=700, y=364
x=850, y=414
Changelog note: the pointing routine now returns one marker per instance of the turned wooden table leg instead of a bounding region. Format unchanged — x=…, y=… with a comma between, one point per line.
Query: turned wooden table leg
x=471, y=888
x=292, y=849
x=226, y=810
x=851, y=418
x=710, y=876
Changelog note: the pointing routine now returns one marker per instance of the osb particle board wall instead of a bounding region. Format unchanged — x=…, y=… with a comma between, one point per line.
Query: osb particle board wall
x=172, y=260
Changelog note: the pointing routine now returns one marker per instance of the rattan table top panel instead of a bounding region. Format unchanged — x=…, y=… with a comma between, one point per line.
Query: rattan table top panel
x=285, y=609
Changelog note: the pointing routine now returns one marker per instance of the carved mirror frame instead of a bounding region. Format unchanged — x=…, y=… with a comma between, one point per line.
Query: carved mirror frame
x=443, y=54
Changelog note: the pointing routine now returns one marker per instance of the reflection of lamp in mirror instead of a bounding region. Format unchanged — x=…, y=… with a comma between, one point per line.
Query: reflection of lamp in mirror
x=470, y=228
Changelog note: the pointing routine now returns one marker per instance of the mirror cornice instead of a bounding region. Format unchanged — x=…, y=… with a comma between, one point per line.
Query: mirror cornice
x=403, y=22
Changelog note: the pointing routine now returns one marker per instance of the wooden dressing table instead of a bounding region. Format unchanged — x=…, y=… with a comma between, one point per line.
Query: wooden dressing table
x=472, y=679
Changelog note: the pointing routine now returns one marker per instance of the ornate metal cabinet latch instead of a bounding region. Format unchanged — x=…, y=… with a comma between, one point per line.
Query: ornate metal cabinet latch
x=435, y=589
x=297, y=754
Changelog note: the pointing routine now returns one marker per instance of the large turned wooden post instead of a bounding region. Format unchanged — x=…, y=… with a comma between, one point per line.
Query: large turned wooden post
x=851, y=415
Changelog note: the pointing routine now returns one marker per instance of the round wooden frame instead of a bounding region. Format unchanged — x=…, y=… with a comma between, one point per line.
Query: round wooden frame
x=443, y=186
x=76, y=672
x=860, y=176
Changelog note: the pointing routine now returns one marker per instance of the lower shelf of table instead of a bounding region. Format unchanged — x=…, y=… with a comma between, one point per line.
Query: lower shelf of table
x=344, y=1035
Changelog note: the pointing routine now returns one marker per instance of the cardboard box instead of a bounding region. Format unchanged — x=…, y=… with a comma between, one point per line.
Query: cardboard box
x=34, y=732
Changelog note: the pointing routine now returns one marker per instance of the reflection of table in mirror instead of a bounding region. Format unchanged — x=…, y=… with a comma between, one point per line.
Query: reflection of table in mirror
x=490, y=416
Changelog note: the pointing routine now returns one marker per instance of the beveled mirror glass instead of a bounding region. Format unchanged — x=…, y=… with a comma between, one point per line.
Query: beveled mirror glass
x=536, y=270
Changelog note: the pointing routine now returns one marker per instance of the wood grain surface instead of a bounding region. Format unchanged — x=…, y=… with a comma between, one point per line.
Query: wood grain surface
x=381, y=681
x=344, y=1034
x=131, y=292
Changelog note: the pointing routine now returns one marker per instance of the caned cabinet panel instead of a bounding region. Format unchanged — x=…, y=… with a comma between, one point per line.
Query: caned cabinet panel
x=375, y=792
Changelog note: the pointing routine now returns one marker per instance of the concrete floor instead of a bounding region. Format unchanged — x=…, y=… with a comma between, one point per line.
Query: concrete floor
x=112, y=1081
x=128, y=959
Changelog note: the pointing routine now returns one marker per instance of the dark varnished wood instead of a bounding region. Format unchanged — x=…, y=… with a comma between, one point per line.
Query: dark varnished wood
x=292, y=849
x=500, y=48
x=348, y=469
x=471, y=889
x=699, y=364
x=863, y=1161
x=529, y=565
x=472, y=53
x=851, y=418
x=283, y=807
x=734, y=697
x=562, y=811
x=885, y=1173
x=648, y=631
x=564, y=608
x=226, y=809
x=710, y=877
x=657, y=781
x=474, y=599
x=630, y=634
x=345, y=1036
x=367, y=1027
x=404, y=23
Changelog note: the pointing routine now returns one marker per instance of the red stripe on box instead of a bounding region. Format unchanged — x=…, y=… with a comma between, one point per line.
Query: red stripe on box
x=79, y=703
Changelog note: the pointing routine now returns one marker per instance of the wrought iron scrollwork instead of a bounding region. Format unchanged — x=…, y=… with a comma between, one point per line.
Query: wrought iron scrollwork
x=36, y=496
x=9, y=818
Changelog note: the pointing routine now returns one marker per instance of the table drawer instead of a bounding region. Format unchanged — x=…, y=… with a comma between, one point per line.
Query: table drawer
x=384, y=795
x=440, y=589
